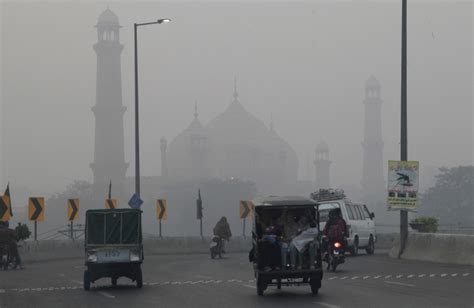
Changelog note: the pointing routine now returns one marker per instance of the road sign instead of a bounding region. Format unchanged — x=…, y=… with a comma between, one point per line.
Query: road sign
x=110, y=204
x=4, y=208
x=246, y=209
x=161, y=209
x=135, y=202
x=402, y=185
x=73, y=209
x=36, y=209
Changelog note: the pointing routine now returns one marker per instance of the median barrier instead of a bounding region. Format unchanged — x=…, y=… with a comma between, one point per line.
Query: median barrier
x=33, y=251
x=441, y=248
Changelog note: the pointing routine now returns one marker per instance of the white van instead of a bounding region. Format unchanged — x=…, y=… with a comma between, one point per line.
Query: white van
x=360, y=221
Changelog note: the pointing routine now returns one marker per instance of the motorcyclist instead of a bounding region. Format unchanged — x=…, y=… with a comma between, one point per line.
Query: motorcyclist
x=222, y=230
x=8, y=239
x=335, y=229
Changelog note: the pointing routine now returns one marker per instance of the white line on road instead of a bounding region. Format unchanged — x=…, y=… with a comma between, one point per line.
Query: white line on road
x=326, y=305
x=399, y=276
x=331, y=278
x=249, y=286
x=377, y=277
x=77, y=281
x=444, y=275
x=421, y=275
x=454, y=275
x=465, y=274
x=106, y=294
x=400, y=283
x=355, y=277
x=365, y=277
x=432, y=275
x=410, y=276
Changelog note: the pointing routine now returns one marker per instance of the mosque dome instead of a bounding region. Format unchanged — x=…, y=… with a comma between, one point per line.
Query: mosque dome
x=108, y=18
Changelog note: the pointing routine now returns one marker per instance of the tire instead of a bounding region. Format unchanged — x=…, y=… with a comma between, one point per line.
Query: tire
x=139, y=278
x=87, y=280
x=279, y=284
x=213, y=255
x=261, y=286
x=355, y=247
x=114, y=281
x=333, y=265
x=315, y=286
x=371, y=247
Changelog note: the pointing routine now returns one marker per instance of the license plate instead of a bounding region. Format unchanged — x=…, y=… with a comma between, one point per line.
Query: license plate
x=113, y=255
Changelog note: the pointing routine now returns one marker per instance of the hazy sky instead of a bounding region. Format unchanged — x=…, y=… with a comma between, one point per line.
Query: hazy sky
x=304, y=63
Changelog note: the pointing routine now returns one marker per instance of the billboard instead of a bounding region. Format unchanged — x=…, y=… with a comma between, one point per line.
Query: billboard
x=403, y=179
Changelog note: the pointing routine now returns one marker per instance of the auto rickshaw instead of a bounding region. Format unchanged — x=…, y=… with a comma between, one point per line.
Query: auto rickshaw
x=113, y=245
x=278, y=214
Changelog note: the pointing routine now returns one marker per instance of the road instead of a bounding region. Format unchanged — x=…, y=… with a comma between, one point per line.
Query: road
x=198, y=281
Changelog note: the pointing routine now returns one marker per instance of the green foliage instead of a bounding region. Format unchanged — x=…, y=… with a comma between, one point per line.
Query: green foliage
x=425, y=224
x=22, y=232
x=451, y=198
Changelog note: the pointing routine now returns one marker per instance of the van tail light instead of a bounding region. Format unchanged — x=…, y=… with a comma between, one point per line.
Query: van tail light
x=337, y=245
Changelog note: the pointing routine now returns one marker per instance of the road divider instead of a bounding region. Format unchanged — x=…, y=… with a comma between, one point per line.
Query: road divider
x=441, y=248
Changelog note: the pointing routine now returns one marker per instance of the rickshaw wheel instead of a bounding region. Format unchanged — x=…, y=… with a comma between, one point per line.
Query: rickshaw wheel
x=314, y=287
x=261, y=286
x=87, y=280
x=139, y=278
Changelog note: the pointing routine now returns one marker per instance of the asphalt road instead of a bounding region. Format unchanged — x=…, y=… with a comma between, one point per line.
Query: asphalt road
x=198, y=281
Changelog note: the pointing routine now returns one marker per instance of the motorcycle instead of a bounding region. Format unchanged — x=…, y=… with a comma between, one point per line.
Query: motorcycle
x=216, y=247
x=335, y=254
x=6, y=258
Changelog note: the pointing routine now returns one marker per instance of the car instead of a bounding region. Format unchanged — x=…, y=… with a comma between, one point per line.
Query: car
x=360, y=221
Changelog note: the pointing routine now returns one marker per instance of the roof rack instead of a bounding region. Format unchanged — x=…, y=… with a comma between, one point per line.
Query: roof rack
x=327, y=194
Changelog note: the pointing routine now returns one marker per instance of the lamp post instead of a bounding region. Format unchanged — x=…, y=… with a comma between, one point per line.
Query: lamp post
x=137, y=131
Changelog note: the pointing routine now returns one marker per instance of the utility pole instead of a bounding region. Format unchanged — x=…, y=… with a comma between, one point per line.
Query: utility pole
x=403, y=126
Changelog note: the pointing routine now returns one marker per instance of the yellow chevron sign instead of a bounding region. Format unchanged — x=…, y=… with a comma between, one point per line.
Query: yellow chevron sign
x=36, y=209
x=161, y=209
x=246, y=209
x=4, y=208
x=111, y=204
x=73, y=209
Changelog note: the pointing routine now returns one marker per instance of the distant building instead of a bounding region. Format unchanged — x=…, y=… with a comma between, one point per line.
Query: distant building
x=109, y=159
x=237, y=145
x=373, y=184
x=322, y=164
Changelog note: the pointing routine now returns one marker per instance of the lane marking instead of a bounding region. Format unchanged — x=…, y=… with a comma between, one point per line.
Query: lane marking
x=444, y=275
x=331, y=278
x=345, y=277
x=421, y=275
x=410, y=276
x=377, y=277
x=465, y=274
x=326, y=305
x=400, y=284
x=355, y=277
x=78, y=282
x=365, y=277
x=388, y=276
x=106, y=294
x=432, y=275
x=399, y=276
x=249, y=286
x=454, y=275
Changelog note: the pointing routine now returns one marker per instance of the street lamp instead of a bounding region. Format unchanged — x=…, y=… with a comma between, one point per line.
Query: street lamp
x=137, y=134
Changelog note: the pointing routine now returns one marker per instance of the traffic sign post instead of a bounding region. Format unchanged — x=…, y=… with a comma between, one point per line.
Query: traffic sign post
x=4, y=209
x=246, y=208
x=199, y=213
x=72, y=213
x=161, y=213
x=36, y=211
x=135, y=202
x=110, y=204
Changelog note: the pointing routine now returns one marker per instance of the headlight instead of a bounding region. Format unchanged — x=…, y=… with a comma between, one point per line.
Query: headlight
x=134, y=256
x=92, y=257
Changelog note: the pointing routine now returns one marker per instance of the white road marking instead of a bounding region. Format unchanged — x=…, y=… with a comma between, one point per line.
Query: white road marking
x=454, y=275
x=465, y=274
x=421, y=275
x=344, y=277
x=77, y=281
x=326, y=305
x=106, y=294
x=400, y=284
x=331, y=278
x=432, y=275
x=249, y=286
x=444, y=275
x=410, y=276
x=355, y=277
x=388, y=276
x=377, y=277
x=365, y=277
x=399, y=276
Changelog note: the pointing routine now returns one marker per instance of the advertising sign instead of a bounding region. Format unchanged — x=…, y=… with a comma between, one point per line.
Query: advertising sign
x=403, y=179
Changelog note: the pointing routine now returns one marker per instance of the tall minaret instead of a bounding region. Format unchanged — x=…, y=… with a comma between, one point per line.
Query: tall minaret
x=373, y=187
x=322, y=164
x=109, y=159
x=164, y=163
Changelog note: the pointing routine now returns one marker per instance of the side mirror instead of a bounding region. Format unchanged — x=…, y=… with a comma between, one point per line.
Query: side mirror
x=372, y=215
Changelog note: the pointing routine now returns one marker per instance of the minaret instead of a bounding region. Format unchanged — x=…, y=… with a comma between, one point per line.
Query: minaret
x=109, y=159
x=322, y=164
x=373, y=186
x=164, y=164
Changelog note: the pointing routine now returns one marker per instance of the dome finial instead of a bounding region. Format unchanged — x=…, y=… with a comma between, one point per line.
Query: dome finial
x=271, y=122
x=195, y=109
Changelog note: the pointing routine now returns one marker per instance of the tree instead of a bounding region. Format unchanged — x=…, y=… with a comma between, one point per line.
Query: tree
x=451, y=198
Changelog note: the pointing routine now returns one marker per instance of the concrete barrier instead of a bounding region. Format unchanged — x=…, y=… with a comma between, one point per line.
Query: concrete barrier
x=64, y=249
x=441, y=248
